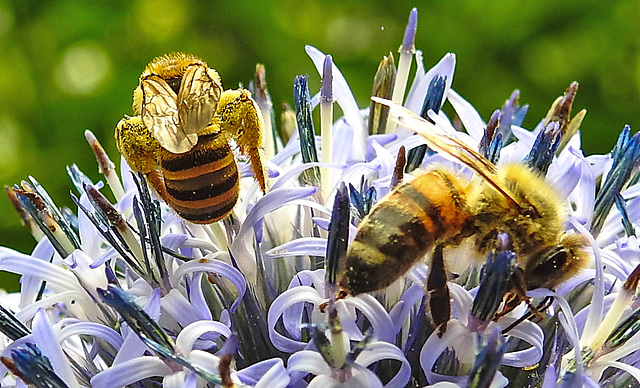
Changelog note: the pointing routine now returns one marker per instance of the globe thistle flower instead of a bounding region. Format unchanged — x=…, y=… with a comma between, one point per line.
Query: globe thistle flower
x=128, y=294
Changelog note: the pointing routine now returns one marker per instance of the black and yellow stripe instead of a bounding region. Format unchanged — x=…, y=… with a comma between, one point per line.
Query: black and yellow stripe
x=202, y=185
x=401, y=229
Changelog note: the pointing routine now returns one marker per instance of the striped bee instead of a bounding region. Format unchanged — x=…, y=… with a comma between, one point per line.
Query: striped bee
x=441, y=210
x=179, y=136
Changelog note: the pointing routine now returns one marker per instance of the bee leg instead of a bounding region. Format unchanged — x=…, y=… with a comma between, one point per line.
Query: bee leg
x=137, y=145
x=438, y=292
x=239, y=116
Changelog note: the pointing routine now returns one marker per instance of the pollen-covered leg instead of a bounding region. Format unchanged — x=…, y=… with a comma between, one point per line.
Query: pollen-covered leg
x=239, y=116
x=137, y=145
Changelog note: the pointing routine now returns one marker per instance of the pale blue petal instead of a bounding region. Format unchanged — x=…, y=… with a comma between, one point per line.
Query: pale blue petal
x=121, y=375
x=272, y=370
x=188, y=336
x=15, y=262
x=176, y=305
x=471, y=119
x=30, y=285
x=371, y=308
x=46, y=340
x=304, y=246
x=91, y=329
x=215, y=266
x=196, y=297
x=377, y=351
x=280, y=305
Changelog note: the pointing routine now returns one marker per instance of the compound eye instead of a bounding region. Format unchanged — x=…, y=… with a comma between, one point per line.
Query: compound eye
x=547, y=269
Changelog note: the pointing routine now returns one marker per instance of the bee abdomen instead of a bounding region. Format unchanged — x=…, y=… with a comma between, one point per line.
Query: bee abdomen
x=202, y=184
x=401, y=229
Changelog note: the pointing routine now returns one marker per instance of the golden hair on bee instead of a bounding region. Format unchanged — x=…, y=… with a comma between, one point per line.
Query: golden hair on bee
x=180, y=136
x=440, y=210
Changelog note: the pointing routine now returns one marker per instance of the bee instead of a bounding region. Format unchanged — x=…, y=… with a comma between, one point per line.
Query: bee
x=179, y=136
x=440, y=210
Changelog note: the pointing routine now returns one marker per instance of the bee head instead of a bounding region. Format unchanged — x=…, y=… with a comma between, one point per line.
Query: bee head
x=552, y=265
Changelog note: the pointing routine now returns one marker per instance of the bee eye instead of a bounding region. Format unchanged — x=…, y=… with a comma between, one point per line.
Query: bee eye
x=547, y=268
x=531, y=212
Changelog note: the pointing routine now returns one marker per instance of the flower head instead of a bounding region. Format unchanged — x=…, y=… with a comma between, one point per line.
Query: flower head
x=128, y=293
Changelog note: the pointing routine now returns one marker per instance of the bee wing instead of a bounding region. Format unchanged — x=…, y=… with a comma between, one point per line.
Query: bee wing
x=198, y=98
x=160, y=116
x=444, y=143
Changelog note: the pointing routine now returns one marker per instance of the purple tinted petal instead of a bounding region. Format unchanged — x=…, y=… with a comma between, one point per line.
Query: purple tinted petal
x=46, y=340
x=305, y=246
x=275, y=377
x=195, y=330
x=280, y=305
x=91, y=329
x=376, y=351
x=445, y=67
x=176, y=305
x=131, y=348
x=309, y=362
x=254, y=373
x=295, y=171
x=342, y=142
x=12, y=261
x=196, y=297
x=528, y=332
x=215, y=266
x=383, y=327
x=401, y=310
x=129, y=372
x=30, y=285
x=471, y=119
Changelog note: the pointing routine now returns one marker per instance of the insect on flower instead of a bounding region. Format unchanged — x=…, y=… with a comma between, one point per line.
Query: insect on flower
x=440, y=210
x=179, y=136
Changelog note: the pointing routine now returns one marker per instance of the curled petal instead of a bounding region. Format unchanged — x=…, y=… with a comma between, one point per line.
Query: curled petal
x=129, y=372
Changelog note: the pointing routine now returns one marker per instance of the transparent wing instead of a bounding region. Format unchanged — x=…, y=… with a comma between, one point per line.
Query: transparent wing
x=160, y=116
x=446, y=144
x=197, y=98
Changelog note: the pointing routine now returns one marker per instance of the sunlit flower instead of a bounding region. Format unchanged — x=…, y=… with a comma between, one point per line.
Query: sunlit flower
x=129, y=294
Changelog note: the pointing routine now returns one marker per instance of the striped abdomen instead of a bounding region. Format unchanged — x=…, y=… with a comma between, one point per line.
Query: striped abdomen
x=202, y=184
x=401, y=229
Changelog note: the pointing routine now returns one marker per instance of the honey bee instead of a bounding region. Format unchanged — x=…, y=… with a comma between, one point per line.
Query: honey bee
x=179, y=136
x=440, y=210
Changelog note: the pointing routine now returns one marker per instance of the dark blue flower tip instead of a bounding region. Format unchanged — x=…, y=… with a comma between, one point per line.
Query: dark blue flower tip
x=626, y=159
x=138, y=320
x=383, y=83
x=511, y=114
x=326, y=90
x=11, y=326
x=621, y=205
x=495, y=279
x=491, y=142
x=78, y=178
x=409, y=41
x=148, y=218
x=337, y=239
x=398, y=170
x=306, y=131
x=362, y=200
x=544, y=148
x=29, y=364
x=433, y=101
x=488, y=360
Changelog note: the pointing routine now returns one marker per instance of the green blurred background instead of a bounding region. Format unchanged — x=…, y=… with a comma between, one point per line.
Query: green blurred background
x=66, y=66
